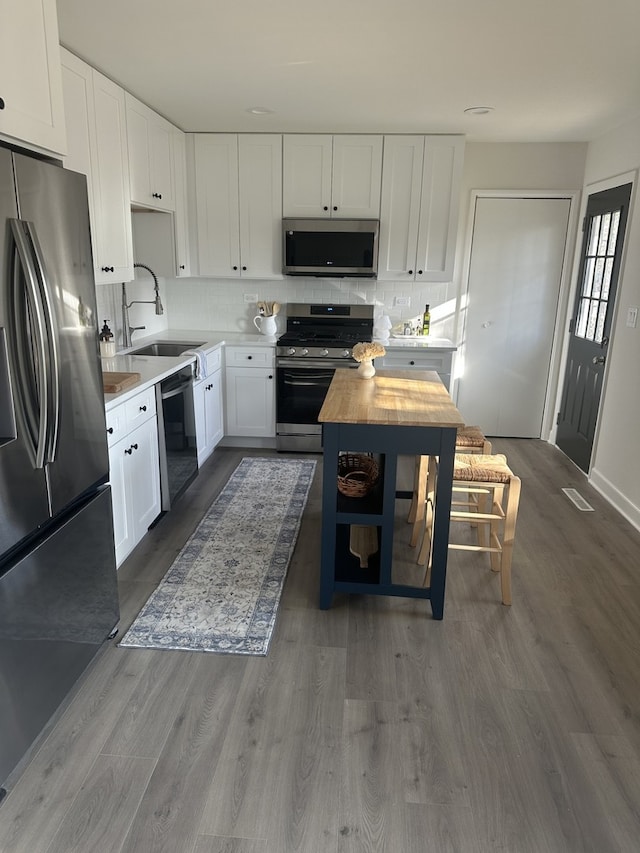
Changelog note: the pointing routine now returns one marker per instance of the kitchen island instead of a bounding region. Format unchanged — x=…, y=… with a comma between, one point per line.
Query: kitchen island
x=397, y=412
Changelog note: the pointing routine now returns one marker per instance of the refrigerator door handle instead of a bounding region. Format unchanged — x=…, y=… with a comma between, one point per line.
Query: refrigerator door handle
x=36, y=359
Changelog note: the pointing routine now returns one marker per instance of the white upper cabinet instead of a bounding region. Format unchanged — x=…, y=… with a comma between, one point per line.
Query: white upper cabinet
x=238, y=185
x=96, y=128
x=181, y=215
x=150, y=139
x=421, y=183
x=332, y=176
x=31, y=103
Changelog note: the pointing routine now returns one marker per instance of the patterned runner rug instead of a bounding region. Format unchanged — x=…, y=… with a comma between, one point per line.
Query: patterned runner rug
x=222, y=592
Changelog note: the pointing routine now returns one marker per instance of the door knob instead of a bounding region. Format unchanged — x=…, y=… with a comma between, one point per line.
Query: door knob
x=598, y=359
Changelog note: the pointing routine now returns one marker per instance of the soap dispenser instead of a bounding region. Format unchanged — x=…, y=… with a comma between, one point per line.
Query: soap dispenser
x=107, y=343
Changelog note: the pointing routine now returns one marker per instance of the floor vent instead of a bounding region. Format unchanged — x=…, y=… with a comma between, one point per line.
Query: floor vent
x=576, y=498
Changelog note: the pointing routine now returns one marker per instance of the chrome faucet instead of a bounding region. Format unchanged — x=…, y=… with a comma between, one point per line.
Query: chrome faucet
x=127, y=329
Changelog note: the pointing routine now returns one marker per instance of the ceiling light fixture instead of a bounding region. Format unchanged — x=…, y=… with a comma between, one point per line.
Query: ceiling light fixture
x=479, y=111
x=259, y=111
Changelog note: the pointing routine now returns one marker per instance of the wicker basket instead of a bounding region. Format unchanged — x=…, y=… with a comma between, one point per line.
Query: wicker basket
x=357, y=474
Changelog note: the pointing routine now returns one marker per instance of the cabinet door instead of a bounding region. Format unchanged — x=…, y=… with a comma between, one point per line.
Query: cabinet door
x=216, y=172
x=400, y=207
x=307, y=175
x=356, y=177
x=250, y=402
x=181, y=216
x=30, y=77
x=207, y=398
x=113, y=250
x=77, y=86
x=142, y=480
x=149, y=147
x=260, y=205
x=122, y=529
x=439, y=207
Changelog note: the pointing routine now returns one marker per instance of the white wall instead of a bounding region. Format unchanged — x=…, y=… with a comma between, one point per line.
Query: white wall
x=615, y=469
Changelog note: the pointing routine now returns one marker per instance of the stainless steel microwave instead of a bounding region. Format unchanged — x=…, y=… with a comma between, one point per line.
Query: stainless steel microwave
x=332, y=248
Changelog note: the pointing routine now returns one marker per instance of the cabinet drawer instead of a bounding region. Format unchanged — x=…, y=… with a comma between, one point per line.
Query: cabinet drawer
x=438, y=361
x=213, y=361
x=250, y=356
x=141, y=407
x=116, y=424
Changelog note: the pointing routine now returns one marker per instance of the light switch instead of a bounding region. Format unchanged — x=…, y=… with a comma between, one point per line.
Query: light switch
x=632, y=317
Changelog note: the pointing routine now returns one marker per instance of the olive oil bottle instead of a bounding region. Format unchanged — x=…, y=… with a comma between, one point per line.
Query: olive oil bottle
x=426, y=321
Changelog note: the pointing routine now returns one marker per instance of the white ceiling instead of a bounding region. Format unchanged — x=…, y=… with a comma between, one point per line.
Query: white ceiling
x=554, y=70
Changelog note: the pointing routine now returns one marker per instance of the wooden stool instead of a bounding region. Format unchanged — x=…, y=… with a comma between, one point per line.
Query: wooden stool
x=486, y=494
x=469, y=439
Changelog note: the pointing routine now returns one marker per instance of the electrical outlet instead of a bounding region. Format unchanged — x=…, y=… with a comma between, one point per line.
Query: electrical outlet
x=402, y=301
x=632, y=318
x=251, y=298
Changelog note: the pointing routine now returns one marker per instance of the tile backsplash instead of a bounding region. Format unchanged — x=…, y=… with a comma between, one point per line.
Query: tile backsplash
x=200, y=303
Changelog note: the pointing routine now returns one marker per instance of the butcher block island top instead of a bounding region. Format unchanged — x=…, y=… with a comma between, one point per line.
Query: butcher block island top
x=391, y=397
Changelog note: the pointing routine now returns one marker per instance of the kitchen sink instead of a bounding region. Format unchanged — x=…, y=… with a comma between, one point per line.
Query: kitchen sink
x=166, y=348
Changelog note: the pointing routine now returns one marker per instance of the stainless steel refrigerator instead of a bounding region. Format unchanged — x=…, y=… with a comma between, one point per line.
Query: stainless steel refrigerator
x=58, y=587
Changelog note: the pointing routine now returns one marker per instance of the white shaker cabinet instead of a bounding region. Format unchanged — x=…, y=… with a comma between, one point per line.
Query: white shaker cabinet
x=96, y=128
x=31, y=102
x=209, y=407
x=149, y=142
x=332, y=176
x=238, y=186
x=134, y=470
x=426, y=358
x=421, y=184
x=181, y=215
x=250, y=408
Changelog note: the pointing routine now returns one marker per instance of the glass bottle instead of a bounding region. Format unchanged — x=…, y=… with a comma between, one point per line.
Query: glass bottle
x=426, y=321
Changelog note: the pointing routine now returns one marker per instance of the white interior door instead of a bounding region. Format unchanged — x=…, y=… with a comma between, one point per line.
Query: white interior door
x=515, y=271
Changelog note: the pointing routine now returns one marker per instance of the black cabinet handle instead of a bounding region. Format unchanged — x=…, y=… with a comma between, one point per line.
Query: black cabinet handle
x=156, y=195
x=235, y=268
x=419, y=272
x=107, y=269
x=270, y=376
x=129, y=450
x=135, y=446
x=325, y=207
x=410, y=272
x=143, y=408
x=244, y=268
x=412, y=362
x=335, y=208
x=208, y=387
x=1, y=103
x=110, y=430
x=181, y=266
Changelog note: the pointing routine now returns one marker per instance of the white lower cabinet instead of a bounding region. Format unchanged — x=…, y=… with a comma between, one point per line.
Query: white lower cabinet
x=426, y=359
x=208, y=404
x=132, y=432
x=250, y=408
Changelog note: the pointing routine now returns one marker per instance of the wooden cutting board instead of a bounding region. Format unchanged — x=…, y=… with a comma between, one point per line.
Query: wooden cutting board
x=113, y=383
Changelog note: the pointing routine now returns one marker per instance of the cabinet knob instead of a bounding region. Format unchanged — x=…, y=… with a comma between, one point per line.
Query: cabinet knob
x=249, y=357
x=244, y=268
x=107, y=269
x=110, y=430
x=143, y=408
x=270, y=376
x=419, y=272
x=181, y=266
x=135, y=446
x=129, y=451
x=335, y=208
x=326, y=207
x=156, y=195
x=412, y=362
x=410, y=272
x=1, y=103
x=235, y=268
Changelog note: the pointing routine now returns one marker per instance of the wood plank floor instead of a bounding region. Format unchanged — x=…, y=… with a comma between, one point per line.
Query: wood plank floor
x=368, y=727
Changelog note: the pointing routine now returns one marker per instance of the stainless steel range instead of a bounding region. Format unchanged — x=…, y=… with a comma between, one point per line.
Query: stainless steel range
x=318, y=339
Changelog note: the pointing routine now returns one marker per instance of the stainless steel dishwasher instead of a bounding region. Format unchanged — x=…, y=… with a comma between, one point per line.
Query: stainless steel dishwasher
x=176, y=435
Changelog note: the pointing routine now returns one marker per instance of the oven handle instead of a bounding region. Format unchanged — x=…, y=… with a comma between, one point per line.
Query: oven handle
x=332, y=364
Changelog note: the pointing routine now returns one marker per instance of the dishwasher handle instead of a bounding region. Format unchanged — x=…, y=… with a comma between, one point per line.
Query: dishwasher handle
x=169, y=389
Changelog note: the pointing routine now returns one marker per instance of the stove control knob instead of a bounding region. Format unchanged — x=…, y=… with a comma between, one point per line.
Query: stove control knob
x=291, y=351
x=304, y=351
x=324, y=352
x=346, y=353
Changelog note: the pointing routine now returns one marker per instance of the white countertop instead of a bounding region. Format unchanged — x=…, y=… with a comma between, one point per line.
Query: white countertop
x=418, y=342
x=155, y=368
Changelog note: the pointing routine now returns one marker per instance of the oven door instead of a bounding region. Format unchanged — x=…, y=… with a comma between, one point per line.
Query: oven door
x=301, y=387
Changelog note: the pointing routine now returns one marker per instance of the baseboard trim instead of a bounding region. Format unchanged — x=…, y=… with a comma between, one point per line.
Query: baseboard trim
x=615, y=497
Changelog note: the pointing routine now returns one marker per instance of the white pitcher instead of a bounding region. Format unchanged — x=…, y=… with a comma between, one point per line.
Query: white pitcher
x=265, y=325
